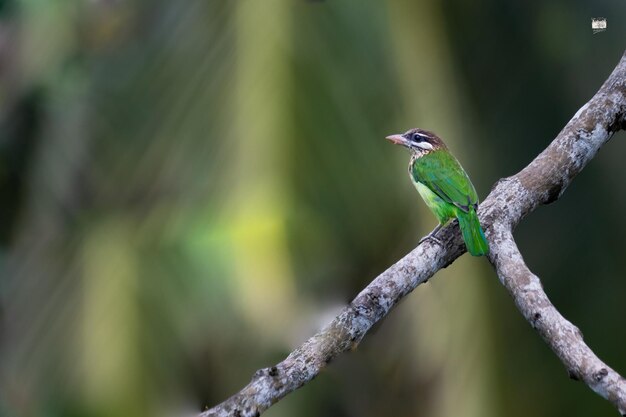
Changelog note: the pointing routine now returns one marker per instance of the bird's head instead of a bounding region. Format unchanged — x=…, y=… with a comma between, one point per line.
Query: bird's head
x=418, y=140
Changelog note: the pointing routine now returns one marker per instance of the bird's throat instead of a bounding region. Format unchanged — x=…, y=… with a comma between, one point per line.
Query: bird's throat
x=418, y=153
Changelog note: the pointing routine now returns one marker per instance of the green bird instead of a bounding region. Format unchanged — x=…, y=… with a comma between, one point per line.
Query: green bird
x=444, y=185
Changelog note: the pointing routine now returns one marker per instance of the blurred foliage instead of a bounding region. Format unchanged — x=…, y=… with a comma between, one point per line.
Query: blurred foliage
x=191, y=189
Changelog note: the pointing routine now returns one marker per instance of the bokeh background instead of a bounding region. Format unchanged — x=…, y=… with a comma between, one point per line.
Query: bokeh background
x=191, y=189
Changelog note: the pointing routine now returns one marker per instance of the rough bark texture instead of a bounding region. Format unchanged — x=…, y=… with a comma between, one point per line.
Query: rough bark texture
x=543, y=181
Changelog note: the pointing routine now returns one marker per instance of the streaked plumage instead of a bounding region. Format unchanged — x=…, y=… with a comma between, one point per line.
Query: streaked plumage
x=444, y=186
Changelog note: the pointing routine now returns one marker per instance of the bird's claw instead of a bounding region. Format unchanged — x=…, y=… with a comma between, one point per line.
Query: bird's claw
x=431, y=238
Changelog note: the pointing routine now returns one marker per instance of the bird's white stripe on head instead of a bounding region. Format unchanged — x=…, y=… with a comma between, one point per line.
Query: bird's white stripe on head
x=424, y=145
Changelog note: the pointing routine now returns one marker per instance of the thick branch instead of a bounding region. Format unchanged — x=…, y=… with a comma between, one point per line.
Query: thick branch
x=541, y=182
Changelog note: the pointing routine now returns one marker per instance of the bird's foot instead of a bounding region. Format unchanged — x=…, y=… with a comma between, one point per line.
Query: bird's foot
x=431, y=238
x=431, y=235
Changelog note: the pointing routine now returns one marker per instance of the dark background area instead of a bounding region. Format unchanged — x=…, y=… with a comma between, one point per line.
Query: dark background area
x=191, y=189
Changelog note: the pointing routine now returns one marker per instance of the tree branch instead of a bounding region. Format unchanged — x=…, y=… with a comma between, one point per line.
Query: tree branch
x=543, y=181
x=565, y=339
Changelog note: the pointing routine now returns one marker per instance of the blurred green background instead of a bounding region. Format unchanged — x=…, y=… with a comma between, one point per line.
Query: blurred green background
x=191, y=189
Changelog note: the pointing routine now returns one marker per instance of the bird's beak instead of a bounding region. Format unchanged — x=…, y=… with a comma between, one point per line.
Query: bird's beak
x=397, y=139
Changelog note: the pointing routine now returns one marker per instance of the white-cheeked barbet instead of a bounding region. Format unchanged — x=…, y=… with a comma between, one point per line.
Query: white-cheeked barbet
x=444, y=185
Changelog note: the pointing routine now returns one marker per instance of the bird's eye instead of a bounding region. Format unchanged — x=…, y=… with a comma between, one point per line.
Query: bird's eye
x=417, y=138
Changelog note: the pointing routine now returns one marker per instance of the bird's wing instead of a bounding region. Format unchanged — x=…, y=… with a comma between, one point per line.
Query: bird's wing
x=444, y=176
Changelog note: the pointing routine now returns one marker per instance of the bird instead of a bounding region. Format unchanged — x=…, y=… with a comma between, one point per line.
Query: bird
x=444, y=185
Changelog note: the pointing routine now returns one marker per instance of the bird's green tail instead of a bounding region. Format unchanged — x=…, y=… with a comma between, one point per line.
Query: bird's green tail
x=472, y=233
